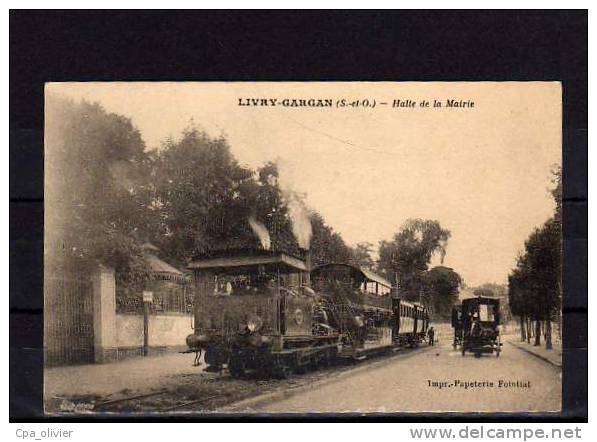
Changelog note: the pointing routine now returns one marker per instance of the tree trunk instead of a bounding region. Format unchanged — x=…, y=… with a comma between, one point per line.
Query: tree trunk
x=537, y=333
x=529, y=330
x=523, y=332
x=548, y=345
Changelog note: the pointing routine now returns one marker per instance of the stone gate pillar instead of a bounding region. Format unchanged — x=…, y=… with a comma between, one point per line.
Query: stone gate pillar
x=104, y=315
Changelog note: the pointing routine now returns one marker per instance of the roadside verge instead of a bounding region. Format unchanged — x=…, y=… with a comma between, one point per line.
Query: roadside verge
x=554, y=357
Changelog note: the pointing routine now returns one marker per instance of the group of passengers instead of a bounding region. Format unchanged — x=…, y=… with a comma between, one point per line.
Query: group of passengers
x=246, y=285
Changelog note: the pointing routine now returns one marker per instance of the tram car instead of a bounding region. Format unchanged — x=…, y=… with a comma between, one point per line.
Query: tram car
x=255, y=311
x=411, y=322
x=358, y=304
x=481, y=326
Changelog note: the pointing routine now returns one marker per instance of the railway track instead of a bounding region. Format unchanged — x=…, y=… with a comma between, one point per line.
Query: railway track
x=206, y=393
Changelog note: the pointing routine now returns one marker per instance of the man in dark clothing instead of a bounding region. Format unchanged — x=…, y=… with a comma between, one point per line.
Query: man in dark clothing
x=431, y=336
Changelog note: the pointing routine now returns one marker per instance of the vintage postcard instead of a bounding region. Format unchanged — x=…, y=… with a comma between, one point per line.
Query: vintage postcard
x=303, y=247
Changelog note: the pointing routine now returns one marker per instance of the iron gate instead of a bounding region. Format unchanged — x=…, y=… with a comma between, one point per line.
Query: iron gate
x=68, y=320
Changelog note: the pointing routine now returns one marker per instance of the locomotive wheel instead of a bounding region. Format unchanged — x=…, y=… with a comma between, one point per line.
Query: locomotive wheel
x=302, y=369
x=236, y=367
x=332, y=357
x=477, y=354
x=283, y=371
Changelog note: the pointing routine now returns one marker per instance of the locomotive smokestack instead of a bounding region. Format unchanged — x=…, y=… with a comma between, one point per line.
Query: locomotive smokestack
x=307, y=274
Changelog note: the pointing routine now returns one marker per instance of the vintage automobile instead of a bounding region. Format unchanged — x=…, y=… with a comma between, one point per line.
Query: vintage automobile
x=481, y=326
x=457, y=325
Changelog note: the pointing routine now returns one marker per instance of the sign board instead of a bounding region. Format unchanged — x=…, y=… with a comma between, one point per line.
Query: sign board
x=147, y=296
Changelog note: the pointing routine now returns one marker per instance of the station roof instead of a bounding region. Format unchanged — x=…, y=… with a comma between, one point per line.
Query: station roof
x=159, y=267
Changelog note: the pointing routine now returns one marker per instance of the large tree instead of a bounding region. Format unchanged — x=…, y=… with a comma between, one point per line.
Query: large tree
x=535, y=283
x=96, y=188
x=362, y=255
x=406, y=258
x=519, y=299
x=441, y=288
x=203, y=197
x=327, y=246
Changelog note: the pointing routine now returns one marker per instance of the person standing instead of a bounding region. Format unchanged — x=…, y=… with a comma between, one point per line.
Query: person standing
x=431, y=336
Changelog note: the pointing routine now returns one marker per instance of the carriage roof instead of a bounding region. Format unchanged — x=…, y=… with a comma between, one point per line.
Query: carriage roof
x=471, y=303
x=363, y=273
x=247, y=259
x=413, y=304
x=481, y=300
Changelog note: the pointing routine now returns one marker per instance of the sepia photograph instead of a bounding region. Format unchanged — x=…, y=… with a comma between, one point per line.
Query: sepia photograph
x=302, y=247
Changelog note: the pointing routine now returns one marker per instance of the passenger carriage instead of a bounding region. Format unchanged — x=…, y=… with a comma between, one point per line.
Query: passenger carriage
x=359, y=303
x=411, y=322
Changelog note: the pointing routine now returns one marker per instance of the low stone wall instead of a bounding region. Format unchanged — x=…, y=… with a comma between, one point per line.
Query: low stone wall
x=167, y=332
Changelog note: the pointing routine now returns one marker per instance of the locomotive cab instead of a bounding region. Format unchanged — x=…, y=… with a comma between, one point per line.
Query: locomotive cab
x=254, y=310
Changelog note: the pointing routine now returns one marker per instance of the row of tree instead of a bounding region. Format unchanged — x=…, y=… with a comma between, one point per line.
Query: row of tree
x=534, y=286
x=405, y=260
x=107, y=195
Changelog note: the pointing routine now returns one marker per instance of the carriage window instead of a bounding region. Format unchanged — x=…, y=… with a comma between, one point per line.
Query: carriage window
x=370, y=287
x=486, y=313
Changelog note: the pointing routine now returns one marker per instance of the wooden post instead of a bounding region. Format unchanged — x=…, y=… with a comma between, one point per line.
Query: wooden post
x=145, y=328
x=147, y=299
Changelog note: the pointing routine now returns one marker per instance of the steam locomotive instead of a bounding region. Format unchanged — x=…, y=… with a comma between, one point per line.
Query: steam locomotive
x=268, y=311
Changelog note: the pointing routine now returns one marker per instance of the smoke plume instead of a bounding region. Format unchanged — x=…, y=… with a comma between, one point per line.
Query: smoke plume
x=301, y=220
x=299, y=214
x=261, y=231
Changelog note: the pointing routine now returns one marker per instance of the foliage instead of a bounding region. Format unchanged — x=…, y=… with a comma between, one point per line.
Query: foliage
x=534, y=286
x=106, y=195
x=202, y=197
x=441, y=288
x=327, y=246
x=410, y=252
x=361, y=255
x=94, y=195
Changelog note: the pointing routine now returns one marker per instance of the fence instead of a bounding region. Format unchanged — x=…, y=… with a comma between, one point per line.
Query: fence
x=68, y=319
x=168, y=297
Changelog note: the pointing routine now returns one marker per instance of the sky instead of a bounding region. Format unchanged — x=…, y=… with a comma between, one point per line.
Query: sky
x=483, y=172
